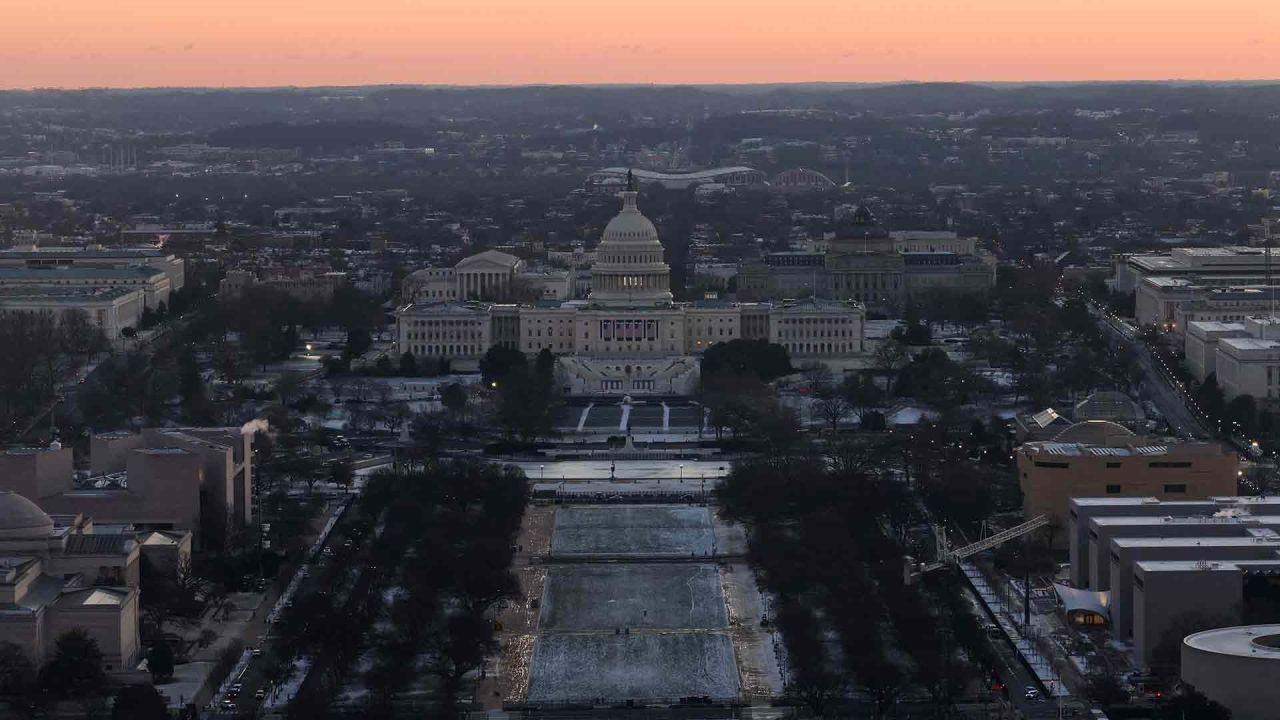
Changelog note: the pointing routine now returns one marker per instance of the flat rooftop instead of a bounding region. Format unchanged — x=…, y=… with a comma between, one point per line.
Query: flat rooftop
x=1193, y=542
x=86, y=253
x=1248, y=343
x=64, y=293
x=1217, y=502
x=1078, y=449
x=78, y=272
x=1257, y=642
x=1181, y=566
x=1169, y=282
x=1213, y=326
x=1128, y=520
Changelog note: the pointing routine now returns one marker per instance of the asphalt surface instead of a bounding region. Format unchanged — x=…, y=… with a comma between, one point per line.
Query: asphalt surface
x=246, y=705
x=647, y=415
x=1156, y=382
x=688, y=471
x=1011, y=668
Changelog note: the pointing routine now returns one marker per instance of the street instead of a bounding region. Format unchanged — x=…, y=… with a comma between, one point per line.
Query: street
x=600, y=470
x=1156, y=386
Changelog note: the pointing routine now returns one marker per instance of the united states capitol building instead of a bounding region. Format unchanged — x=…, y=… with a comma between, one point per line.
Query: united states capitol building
x=628, y=337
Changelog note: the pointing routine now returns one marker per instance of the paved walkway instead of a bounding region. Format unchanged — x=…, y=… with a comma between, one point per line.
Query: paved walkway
x=1008, y=619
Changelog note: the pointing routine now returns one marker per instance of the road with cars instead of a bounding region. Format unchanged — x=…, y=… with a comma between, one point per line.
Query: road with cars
x=1159, y=383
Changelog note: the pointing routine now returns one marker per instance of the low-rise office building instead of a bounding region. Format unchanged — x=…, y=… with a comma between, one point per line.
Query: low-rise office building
x=305, y=286
x=866, y=264
x=1165, y=565
x=1171, y=303
x=153, y=283
x=1099, y=458
x=171, y=265
x=160, y=479
x=1255, y=544
x=1201, y=346
x=1084, y=510
x=1193, y=263
x=1102, y=530
x=110, y=308
x=1171, y=596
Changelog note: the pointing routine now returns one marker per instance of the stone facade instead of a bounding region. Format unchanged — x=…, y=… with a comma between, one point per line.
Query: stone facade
x=61, y=575
x=628, y=336
x=867, y=265
x=1100, y=459
x=161, y=479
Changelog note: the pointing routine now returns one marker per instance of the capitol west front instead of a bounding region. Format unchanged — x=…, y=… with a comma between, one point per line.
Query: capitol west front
x=628, y=336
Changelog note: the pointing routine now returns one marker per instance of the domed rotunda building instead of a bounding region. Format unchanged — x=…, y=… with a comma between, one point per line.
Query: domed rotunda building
x=59, y=575
x=629, y=268
x=628, y=336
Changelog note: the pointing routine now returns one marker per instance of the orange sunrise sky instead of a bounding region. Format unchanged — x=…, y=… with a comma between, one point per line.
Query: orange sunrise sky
x=132, y=43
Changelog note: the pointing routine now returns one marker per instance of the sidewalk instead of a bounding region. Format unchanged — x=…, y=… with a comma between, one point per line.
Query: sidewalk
x=1009, y=621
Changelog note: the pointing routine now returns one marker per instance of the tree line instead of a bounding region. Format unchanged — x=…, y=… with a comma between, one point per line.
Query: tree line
x=38, y=352
x=824, y=539
x=72, y=678
x=434, y=547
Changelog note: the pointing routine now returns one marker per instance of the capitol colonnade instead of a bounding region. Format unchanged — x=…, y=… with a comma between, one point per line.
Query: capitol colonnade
x=629, y=335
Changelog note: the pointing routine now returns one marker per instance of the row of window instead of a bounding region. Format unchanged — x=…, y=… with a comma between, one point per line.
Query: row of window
x=445, y=350
x=93, y=281
x=633, y=258
x=1169, y=489
x=855, y=282
x=818, y=334
x=445, y=335
x=816, y=321
x=443, y=323
x=618, y=384
x=699, y=331
x=631, y=347
x=1116, y=465
x=819, y=348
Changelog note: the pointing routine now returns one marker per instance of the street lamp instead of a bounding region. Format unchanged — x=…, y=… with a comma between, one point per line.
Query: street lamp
x=541, y=474
x=681, y=472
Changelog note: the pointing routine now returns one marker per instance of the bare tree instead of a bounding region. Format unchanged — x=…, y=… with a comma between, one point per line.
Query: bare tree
x=890, y=357
x=817, y=376
x=832, y=406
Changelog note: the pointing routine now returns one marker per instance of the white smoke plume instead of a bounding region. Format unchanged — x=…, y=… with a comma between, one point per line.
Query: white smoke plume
x=255, y=426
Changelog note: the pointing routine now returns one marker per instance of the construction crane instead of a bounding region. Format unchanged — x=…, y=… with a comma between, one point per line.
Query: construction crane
x=946, y=555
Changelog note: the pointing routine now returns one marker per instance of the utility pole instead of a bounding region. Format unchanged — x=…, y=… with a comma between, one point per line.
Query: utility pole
x=1026, y=581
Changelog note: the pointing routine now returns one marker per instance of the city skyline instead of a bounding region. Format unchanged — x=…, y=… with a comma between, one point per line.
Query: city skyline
x=148, y=43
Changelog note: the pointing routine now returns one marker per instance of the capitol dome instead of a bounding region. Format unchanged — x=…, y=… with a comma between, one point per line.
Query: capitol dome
x=629, y=226
x=629, y=268
x=21, y=518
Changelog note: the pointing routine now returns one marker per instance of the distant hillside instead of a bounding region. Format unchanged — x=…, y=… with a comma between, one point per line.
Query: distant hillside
x=305, y=116
x=323, y=134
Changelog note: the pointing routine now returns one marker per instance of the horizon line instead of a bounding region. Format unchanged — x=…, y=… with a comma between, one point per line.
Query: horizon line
x=1235, y=82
